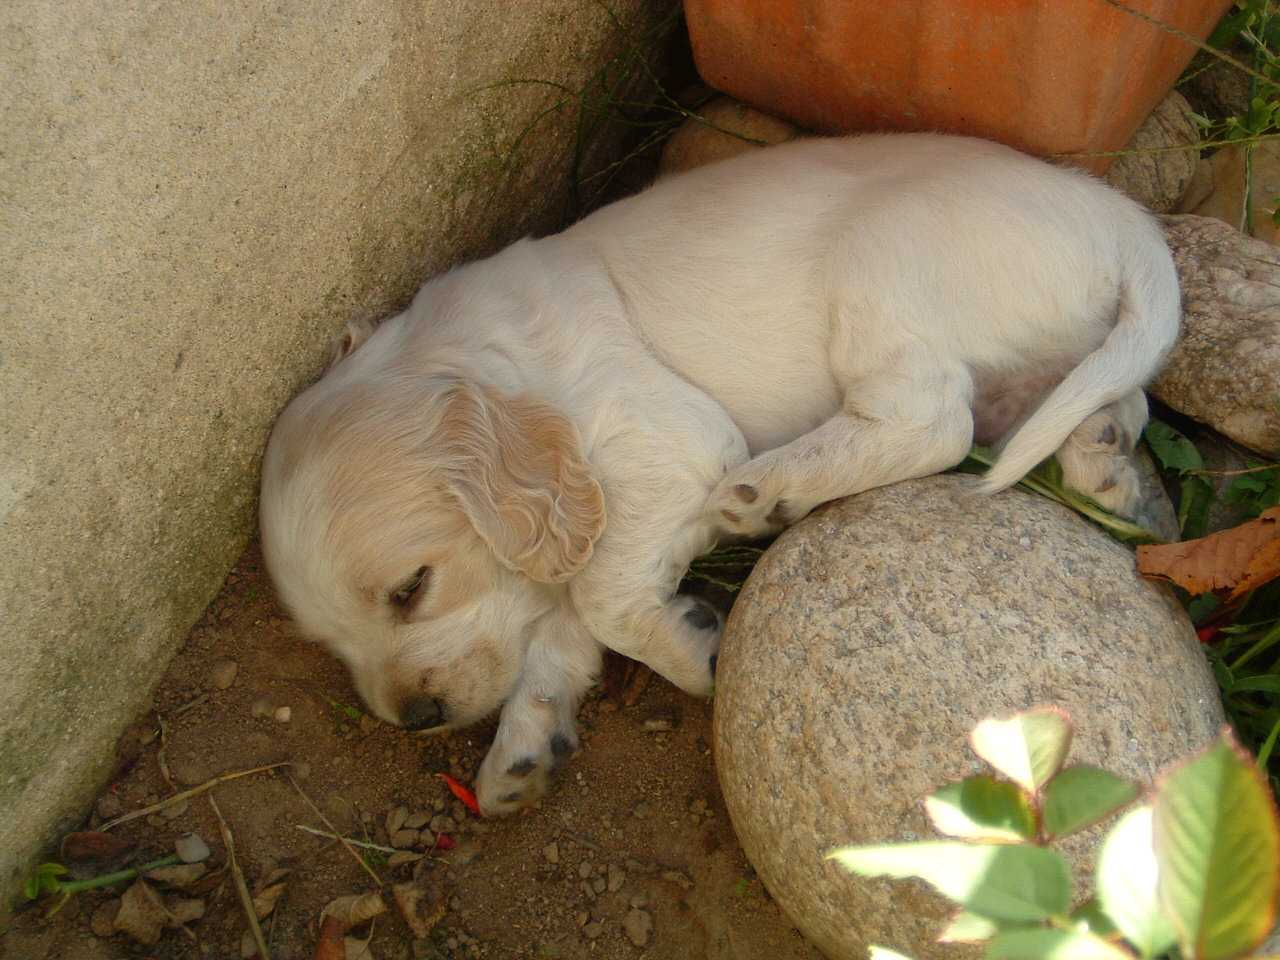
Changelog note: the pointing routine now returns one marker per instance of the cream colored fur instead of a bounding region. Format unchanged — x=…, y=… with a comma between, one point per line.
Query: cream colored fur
x=557, y=431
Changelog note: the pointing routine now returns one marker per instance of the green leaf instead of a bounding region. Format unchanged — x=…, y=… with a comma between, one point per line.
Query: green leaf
x=1194, y=501
x=982, y=808
x=1044, y=944
x=1028, y=747
x=1172, y=449
x=1218, y=845
x=1263, y=683
x=1079, y=797
x=966, y=927
x=1003, y=882
x=1091, y=918
x=1126, y=879
x=877, y=952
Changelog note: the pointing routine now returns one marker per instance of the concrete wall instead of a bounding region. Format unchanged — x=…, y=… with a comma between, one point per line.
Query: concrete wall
x=193, y=198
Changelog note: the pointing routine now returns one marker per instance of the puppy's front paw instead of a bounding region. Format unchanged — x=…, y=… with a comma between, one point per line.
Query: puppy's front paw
x=516, y=775
x=699, y=628
x=750, y=501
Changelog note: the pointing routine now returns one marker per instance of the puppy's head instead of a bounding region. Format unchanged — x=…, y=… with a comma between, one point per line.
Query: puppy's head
x=418, y=526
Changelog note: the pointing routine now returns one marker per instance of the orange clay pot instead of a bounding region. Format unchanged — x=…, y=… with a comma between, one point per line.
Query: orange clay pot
x=1046, y=76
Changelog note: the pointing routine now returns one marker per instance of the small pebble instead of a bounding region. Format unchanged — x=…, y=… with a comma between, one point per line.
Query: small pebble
x=584, y=869
x=551, y=852
x=404, y=839
x=223, y=673
x=416, y=821
x=617, y=877
x=659, y=724
x=103, y=923
x=638, y=926
x=191, y=849
x=678, y=878
x=638, y=901
x=262, y=707
x=175, y=810
x=641, y=810
x=109, y=806
x=283, y=714
x=443, y=824
x=588, y=891
x=598, y=884
x=593, y=930
x=582, y=917
x=396, y=820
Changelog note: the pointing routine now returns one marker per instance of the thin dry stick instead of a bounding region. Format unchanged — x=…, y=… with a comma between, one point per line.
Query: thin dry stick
x=355, y=843
x=242, y=888
x=1234, y=473
x=161, y=758
x=188, y=794
x=343, y=840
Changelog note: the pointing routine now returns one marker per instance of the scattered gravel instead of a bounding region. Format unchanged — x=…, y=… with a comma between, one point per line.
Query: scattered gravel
x=396, y=820
x=283, y=714
x=593, y=930
x=551, y=852
x=617, y=877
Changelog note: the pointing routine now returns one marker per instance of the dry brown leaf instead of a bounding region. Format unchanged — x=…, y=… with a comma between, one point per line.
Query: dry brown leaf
x=264, y=901
x=421, y=905
x=1231, y=561
x=355, y=908
x=91, y=852
x=330, y=946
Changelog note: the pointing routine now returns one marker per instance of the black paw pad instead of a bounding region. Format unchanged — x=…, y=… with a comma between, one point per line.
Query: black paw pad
x=701, y=617
x=713, y=665
x=522, y=768
x=561, y=747
x=509, y=798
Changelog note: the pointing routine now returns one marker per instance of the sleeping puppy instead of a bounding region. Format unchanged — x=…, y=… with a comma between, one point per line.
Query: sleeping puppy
x=515, y=472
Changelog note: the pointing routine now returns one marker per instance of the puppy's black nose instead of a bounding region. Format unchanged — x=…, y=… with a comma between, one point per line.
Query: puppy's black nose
x=422, y=714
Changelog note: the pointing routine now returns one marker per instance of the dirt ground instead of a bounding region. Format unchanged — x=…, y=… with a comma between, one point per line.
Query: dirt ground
x=635, y=834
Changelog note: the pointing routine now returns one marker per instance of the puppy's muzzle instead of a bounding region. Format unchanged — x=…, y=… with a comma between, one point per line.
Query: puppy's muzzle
x=422, y=713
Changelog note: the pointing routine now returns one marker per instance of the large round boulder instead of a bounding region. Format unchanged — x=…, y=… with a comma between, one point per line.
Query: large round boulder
x=876, y=633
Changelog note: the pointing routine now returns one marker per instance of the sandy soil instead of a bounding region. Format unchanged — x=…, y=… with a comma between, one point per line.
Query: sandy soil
x=635, y=829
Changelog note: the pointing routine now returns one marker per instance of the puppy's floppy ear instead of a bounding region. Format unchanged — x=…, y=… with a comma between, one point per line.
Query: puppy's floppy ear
x=516, y=466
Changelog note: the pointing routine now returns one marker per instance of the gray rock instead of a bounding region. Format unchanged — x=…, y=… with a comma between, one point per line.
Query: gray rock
x=876, y=633
x=1225, y=369
x=149, y=187
x=1158, y=179
x=223, y=673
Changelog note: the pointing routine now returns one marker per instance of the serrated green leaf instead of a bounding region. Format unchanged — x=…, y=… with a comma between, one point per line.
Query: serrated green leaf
x=1090, y=917
x=1218, y=846
x=1172, y=449
x=1079, y=797
x=1126, y=879
x=1045, y=944
x=877, y=952
x=966, y=927
x=982, y=808
x=1014, y=883
x=1028, y=747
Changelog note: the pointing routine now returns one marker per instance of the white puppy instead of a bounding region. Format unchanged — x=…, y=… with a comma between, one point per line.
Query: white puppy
x=516, y=471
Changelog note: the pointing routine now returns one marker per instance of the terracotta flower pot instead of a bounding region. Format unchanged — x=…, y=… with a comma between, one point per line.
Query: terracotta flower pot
x=1046, y=76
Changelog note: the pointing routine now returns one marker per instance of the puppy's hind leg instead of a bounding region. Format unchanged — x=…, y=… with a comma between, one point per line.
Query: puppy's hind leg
x=1097, y=458
x=909, y=418
x=538, y=729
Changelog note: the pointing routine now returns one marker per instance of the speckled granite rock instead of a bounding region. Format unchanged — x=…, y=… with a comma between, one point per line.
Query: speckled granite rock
x=1225, y=369
x=697, y=143
x=1159, y=178
x=873, y=636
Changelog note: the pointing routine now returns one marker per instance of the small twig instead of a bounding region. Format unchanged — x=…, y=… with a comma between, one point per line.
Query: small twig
x=162, y=759
x=242, y=888
x=190, y=704
x=1233, y=473
x=355, y=843
x=341, y=839
x=188, y=794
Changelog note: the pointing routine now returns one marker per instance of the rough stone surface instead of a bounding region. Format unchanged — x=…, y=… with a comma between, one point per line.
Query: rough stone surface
x=1220, y=90
x=1225, y=369
x=1159, y=179
x=873, y=636
x=721, y=136
x=196, y=197
x=1226, y=200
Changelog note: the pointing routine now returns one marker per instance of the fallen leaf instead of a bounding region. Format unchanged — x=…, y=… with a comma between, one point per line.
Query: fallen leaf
x=355, y=908
x=264, y=901
x=462, y=793
x=330, y=945
x=1231, y=561
x=91, y=852
x=421, y=905
x=142, y=916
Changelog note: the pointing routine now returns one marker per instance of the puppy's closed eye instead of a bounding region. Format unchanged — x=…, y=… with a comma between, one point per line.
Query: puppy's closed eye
x=407, y=594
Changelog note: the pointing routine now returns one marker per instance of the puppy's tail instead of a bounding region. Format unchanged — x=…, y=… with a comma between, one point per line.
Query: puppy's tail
x=1146, y=327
